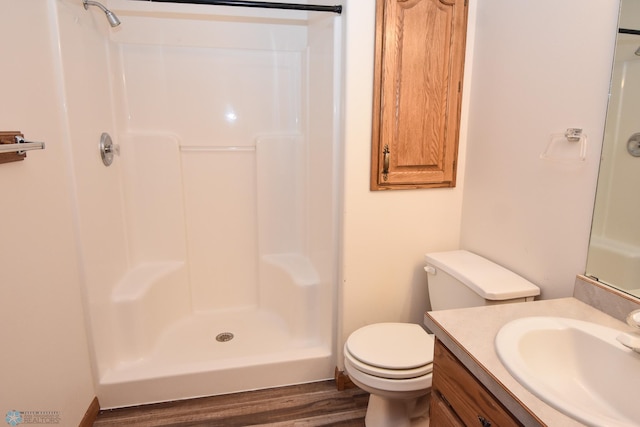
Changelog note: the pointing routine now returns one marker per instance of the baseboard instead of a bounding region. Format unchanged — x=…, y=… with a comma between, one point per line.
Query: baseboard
x=343, y=381
x=91, y=414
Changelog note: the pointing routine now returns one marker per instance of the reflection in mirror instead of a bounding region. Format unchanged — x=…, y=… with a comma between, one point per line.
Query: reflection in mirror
x=614, y=248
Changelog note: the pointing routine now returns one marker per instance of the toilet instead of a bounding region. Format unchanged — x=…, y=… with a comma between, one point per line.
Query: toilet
x=394, y=361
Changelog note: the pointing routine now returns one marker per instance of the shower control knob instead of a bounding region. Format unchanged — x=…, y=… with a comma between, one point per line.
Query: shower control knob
x=108, y=149
x=633, y=145
x=113, y=148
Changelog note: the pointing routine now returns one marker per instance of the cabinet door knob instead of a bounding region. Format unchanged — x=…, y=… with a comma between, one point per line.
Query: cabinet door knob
x=484, y=422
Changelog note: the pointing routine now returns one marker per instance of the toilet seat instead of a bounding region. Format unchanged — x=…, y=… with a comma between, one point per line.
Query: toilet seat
x=391, y=350
x=392, y=374
x=382, y=386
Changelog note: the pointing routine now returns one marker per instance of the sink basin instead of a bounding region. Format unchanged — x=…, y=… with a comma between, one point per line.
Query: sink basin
x=577, y=367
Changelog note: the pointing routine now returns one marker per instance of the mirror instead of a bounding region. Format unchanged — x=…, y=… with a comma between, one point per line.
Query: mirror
x=614, y=247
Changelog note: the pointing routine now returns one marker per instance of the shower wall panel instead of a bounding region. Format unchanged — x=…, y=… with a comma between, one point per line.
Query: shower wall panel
x=323, y=162
x=153, y=198
x=215, y=103
x=221, y=227
x=84, y=50
x=281, y=187
x=211, y=96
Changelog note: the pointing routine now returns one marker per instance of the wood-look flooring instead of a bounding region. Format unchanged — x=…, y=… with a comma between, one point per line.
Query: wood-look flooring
x=315, y=404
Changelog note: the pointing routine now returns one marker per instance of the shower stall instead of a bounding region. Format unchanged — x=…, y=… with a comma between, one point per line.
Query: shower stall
x=209, y=245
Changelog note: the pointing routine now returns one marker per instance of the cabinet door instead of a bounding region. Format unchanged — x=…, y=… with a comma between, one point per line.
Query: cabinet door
x=419, y=64
x=465, y=396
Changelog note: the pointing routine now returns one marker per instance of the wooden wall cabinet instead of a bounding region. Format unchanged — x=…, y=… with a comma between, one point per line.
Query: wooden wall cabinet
x=458, y=399
x=419, y=61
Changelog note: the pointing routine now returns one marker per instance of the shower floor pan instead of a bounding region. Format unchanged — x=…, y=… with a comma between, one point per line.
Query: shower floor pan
x=188, y=361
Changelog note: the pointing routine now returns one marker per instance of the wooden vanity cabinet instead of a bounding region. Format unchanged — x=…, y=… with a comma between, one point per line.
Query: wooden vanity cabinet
x=458, y=399
x=419, y=61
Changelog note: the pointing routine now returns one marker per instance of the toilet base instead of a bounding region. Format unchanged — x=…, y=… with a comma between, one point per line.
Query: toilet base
x=385, y=412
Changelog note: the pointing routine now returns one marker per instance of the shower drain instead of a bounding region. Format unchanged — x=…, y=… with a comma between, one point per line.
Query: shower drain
x=224, y=337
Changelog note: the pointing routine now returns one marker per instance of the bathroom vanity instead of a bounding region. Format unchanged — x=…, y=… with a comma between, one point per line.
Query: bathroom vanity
x=471, y=386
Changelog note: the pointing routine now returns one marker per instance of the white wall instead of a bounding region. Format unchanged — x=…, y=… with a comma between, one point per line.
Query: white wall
x=385, y=233
x=539, y=68
x=44, y=362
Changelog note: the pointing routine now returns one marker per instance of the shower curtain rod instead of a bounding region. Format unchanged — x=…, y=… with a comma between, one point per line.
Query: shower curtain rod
x=628, y=31
x=261, y=4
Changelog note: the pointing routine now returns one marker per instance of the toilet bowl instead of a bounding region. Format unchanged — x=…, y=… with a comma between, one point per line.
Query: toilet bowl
x=394, y=361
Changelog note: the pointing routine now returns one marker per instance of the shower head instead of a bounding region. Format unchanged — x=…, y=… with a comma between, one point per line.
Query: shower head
x=111, y=17
x=637, y=52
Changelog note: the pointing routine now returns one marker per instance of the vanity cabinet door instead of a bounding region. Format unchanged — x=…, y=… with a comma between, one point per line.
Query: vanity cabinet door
x=419, y=60
x=455, y=389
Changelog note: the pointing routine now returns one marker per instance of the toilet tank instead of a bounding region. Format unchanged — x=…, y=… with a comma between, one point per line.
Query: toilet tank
x=460, y=278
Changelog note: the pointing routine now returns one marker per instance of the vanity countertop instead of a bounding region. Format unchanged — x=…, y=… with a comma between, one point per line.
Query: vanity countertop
x=470, y=332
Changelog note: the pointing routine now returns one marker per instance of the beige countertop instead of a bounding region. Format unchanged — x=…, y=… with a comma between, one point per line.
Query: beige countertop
x=470, y=332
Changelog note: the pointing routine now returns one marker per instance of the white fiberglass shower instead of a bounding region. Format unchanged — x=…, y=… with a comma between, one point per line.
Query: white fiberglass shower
x=614, y=247
x=209, y=246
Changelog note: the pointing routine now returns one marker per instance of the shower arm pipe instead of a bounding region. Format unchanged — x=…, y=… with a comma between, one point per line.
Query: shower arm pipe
x=111, y=17
x=260, y=4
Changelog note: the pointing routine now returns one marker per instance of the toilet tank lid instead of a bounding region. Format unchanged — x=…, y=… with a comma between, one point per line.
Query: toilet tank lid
x=488, y=279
